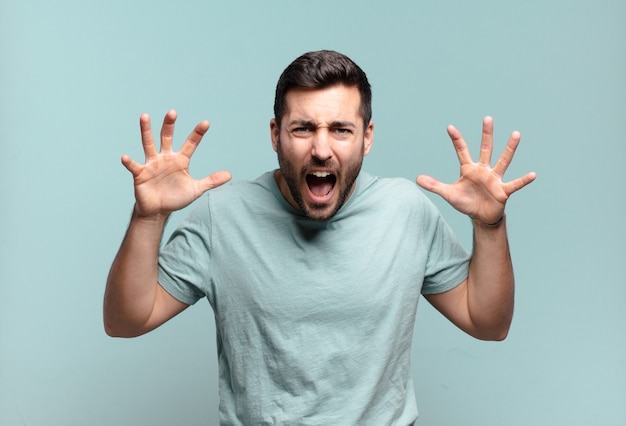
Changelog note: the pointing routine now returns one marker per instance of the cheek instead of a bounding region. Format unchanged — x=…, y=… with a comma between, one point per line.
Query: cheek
x=294, y=150
x=351, y=154
x=286, y=156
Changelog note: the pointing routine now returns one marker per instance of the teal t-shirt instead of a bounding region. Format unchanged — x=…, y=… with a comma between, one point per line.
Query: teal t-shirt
x=314, y=319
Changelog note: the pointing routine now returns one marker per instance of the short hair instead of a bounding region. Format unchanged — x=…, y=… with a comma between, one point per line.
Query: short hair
x=319, y=70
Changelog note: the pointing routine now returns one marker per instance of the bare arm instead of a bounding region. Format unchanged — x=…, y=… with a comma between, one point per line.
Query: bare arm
x=134, y=302
x=483, y=304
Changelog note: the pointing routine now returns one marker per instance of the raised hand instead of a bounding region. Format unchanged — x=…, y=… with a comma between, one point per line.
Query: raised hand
x=163, y=183
x=480, y=191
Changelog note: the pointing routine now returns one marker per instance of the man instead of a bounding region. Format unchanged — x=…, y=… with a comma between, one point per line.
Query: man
x=314, y=270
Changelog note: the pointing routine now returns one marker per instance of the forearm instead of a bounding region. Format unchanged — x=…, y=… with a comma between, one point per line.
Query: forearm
x=491, y=283
x=131, y=288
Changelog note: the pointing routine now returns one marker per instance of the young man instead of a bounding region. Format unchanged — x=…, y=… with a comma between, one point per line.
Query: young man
x=314, y=270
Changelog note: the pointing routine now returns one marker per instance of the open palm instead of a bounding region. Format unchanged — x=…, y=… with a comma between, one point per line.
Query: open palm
x=480, y=191
x=163, y=183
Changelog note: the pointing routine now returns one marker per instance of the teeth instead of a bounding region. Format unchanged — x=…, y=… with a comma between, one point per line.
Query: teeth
x=320, y=174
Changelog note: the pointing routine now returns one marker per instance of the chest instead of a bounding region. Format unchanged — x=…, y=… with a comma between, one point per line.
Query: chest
x=344, y=271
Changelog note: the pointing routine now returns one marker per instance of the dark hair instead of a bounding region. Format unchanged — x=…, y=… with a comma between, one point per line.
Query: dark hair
x=319, y=70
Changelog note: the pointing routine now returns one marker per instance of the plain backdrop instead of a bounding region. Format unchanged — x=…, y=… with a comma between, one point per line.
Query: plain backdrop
x=76, y=75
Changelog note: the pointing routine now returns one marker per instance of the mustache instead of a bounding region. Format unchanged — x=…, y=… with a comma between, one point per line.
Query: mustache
x=320, y=164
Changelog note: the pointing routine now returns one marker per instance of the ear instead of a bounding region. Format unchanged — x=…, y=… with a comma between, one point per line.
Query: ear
x=368, y=138
x=274, y=133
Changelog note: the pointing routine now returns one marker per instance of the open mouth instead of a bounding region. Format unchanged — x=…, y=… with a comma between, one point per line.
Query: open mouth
x=321, y=184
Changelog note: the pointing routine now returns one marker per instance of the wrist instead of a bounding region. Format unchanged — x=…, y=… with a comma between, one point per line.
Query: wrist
x=157, y=218
x=496, y=224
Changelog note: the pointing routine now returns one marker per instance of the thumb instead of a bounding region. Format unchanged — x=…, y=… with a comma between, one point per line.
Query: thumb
x=430, y=184
x=214, y=180
x=131, y=165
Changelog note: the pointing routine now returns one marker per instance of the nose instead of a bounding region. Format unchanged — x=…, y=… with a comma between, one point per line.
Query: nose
x=321, y=145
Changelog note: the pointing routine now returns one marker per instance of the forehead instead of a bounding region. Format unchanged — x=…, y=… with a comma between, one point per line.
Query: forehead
x=333, y=103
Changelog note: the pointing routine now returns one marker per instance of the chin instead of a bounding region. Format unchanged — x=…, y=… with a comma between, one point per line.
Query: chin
x=320, y=213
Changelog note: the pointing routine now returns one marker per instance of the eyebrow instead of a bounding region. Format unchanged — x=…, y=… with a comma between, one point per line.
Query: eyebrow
x=309, y=123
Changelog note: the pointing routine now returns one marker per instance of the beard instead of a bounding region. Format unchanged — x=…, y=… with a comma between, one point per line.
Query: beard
x=344, y=184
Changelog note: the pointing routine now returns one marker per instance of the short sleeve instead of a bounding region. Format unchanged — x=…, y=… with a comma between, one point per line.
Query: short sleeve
x=184, y=260
x=448, y=261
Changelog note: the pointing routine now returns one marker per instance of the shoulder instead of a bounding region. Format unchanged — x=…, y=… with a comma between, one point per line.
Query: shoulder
x=389, y=200
x=392, y=191
x=237, y=199
x=241, y=190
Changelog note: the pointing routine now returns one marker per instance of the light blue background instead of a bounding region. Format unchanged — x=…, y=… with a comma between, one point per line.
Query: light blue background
x=76, y=76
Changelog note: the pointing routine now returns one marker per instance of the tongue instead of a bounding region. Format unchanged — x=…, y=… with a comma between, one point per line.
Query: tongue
x=320, y=186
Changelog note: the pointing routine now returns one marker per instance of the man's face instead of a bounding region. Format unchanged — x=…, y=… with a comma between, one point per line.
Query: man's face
x=320, y=145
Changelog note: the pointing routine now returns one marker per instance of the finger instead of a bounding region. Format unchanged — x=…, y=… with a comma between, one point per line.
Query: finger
x=433, y=185
x=131, y=166
x=460, y=146
x=214, y=180
x=486, y=144
x=194, y=138
x=507, y=156
x=146, y=136
x=519, y=183
x=167, y=131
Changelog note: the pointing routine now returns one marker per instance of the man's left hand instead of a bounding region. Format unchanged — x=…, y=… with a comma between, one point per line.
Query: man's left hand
x=480, y=191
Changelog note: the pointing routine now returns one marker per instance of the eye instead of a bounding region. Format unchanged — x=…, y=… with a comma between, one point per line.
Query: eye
x=342, y=132
x=302, y=131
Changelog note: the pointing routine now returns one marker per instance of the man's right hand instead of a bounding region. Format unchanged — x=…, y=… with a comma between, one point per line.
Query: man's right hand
x=134, y=302
x=163, y=183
